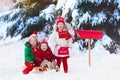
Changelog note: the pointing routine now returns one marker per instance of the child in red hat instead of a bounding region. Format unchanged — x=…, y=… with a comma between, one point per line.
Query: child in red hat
x=45, y=51
x=46, y=55
x=29, y=57
x=59, y=41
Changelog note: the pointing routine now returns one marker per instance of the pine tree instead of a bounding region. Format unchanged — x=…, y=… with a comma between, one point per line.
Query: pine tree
x=96, y=15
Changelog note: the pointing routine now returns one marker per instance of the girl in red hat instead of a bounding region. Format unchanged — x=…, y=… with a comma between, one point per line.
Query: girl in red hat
x=60, y=41
x=29, y=56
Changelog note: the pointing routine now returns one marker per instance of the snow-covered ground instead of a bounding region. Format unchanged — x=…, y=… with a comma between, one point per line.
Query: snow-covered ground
x=104, y=66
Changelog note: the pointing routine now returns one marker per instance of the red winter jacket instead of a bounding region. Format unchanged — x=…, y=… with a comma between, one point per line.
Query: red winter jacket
x=42, y=55
x=47, y=55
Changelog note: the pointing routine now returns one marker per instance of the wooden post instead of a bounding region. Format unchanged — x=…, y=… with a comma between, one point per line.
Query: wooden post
x=89, y=54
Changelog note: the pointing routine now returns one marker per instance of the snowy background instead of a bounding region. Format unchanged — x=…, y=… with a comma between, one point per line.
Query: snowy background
x=104, y=66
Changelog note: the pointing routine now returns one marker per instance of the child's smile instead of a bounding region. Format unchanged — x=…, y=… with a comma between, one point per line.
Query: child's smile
x=44, y=46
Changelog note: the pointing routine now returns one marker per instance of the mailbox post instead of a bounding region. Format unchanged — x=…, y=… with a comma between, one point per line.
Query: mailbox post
x=90, y=34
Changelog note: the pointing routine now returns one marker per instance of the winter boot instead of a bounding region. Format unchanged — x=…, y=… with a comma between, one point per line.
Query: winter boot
x=26, y=71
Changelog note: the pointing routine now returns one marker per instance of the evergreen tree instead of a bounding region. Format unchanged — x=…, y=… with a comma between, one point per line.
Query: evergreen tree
x=95, y=15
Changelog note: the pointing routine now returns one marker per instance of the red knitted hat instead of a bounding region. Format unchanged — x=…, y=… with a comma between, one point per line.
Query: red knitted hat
x=60, y=19
x=34, y=34
x=43, y=41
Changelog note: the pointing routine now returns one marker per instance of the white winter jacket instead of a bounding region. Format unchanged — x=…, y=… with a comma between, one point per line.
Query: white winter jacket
x=62, y=42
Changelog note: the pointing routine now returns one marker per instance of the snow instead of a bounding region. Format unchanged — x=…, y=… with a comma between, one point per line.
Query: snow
x=106, y=40
x=99, y=1
x=71, y=4
x=116, y=15
x=60, y=4
x=33, y=20
x=95, y=19
x=104, y=66
x=98, y=18
x=3, y=28
x=48, y=12
x=85, y=18
x=7, y=20
x=75, y=13
x=117, y=1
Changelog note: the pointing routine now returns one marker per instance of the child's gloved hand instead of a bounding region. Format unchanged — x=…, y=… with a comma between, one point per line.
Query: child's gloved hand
x=32, y=63
x=34, y=48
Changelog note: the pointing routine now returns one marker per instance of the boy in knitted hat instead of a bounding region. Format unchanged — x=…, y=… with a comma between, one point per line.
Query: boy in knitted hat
x=59, y=41
x=29, y=57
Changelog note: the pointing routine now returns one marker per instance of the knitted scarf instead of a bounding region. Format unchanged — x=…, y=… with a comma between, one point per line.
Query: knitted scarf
x=64, y=34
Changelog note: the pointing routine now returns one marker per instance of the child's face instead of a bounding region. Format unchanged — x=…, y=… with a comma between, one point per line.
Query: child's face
x=33, y=41
x=60, y=26
x=44, y=46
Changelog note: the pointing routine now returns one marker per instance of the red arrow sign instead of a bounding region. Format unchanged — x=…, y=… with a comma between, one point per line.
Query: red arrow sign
x=90, y=34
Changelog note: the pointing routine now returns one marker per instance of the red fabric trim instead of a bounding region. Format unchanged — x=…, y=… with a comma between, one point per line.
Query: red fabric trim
x=64, y=34
x=63, y=51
